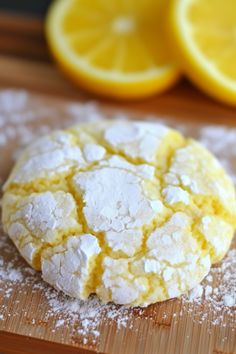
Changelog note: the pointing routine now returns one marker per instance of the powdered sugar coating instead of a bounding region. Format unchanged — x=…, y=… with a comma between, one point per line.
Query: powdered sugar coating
x=38, y=219
x=213, y=228
x=199, y=171
x=93, y=152
x=47, y=157
x=127, y=242
x=137, y=140
x=174, y=195
x=114, y=200
x=68, y=266
x=120, y=209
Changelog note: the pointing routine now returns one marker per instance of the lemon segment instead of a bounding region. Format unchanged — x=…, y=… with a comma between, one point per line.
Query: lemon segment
x=116, y=49
x=203, y=34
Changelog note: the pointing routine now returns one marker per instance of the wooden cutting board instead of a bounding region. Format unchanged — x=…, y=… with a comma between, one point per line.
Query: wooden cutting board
x=24, y=328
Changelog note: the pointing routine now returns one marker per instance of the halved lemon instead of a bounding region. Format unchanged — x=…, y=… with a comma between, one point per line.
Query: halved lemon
x=203, y=34
x=115, y=48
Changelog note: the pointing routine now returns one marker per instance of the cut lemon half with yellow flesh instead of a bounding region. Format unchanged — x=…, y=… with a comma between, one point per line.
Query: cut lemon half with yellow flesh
x=115, y=48
x=204, y=36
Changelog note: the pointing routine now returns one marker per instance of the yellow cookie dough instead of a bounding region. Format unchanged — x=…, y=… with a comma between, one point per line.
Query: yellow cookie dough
x=131, y=211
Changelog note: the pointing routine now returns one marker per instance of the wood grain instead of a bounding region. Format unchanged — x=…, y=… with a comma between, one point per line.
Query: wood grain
x=22, y=37
x=23, y=65
x=18, y=344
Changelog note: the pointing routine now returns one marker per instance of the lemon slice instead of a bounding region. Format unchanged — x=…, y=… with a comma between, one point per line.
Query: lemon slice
x=114, y=48
x=204, y=33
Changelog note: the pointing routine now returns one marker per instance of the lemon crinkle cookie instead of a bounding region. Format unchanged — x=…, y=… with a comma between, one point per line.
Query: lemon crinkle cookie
x=131, y=211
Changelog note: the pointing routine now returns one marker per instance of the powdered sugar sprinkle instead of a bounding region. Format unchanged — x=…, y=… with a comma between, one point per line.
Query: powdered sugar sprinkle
x=19, y=114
